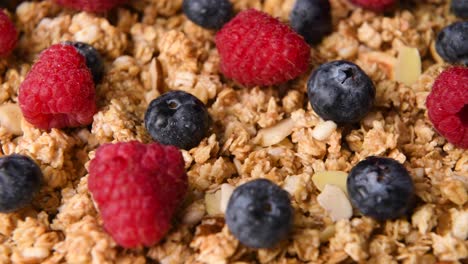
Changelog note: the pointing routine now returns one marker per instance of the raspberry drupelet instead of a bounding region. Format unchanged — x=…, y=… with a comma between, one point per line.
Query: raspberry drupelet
x=91, y=5
x=375, y=5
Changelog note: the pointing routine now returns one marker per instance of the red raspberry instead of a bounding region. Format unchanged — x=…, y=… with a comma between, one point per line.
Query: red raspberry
x=137, y=188
x=375, y=5
x=8, y=34
x=91, y=5
x=447, y=105
x=59, y=90
x=257, y=49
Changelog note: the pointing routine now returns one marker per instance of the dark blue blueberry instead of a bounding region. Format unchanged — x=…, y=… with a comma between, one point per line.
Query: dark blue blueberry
x=452, y=43
x=340, y=91
x=93, y=59
x=380, y=188
x=311, y=19
x=20, y=180
x=210, y=14
x=259, y=214
x=177, y=118
x=459, y=8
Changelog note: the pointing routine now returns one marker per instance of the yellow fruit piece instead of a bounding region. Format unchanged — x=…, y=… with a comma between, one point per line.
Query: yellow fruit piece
x=337, y=178
x=408, y=66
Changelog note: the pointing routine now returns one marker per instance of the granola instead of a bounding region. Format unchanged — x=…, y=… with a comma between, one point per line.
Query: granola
x=150, y=47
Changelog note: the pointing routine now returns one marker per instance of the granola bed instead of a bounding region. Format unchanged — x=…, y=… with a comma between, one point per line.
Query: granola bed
x=149, y=48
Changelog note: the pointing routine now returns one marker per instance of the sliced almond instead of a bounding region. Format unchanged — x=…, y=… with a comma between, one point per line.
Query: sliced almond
x=213, y=203
x=408, y=66
x=226, y=192
x=275, y=134
x=324, y=130
x=337, y=178
x=10, y=118
x=216, y=203
x=335, y=202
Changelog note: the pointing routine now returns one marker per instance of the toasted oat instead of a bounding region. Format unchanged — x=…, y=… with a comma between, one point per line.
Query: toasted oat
x=149, y=47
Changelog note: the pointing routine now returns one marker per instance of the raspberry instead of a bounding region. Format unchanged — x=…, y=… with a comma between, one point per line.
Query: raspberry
x=8, y=34
x=137, y=188
x=375, y=5
x=447, y=105
x=257, y=49
x=59, y=90
x=91, y=5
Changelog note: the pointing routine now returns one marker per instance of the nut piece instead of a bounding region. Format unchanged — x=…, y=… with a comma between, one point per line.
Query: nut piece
x=226, y=192
x=212, y=202
x=323, y=130
x=408, y=66
x=337, y=178
x=10, y=118
x=335, y=202
x=327, y=233
x=216, y=203
x=273, y=135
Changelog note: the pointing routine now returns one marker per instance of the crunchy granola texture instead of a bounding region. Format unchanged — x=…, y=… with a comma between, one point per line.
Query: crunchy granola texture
x=269, y=132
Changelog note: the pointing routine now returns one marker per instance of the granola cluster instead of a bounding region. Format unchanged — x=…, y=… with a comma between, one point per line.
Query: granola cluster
x=269, y=132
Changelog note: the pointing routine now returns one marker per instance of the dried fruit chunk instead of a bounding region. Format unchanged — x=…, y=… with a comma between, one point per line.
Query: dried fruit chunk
x=334, y=200
x=337, y=178
x=408, y=66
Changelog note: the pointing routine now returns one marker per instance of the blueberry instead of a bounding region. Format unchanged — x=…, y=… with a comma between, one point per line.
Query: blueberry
x=93, y=59
x=311, y=19
x=380, y=188
x=452, y=43
x=20, y=180
x=177, y=118
x=259, y=214
x=459, y=8
x=340, y=91
x=210, y=14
